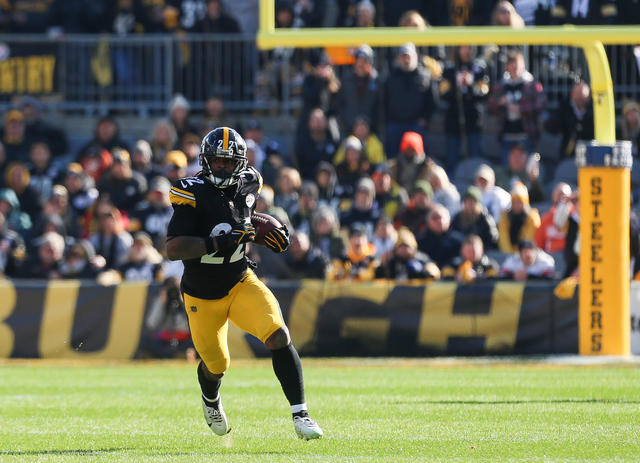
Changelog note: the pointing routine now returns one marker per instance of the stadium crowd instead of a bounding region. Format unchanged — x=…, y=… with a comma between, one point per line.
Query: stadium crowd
x=361, y=191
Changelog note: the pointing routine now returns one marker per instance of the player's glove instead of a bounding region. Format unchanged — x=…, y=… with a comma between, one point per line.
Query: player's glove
x=242, y=233
x=277, y=239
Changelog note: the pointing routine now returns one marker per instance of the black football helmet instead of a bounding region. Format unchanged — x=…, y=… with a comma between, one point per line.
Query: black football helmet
x=223, y=142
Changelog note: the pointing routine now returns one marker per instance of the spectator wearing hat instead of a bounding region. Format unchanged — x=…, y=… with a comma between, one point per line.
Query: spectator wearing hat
x=464, y=87
x=552, y=233
x=17, y=178
x=494, y=199
x=409, y=98
x=325, y=233
x=412, y=163
x=143, y=262
x=472, y=264
x=390, y=196
x=255, y=155
x=522, y=168
x=81, y=262
x=12, y=250
x=141, y=160
x=518, y=223
x=360, y=262
x=45, y=263
x=360, y=92
x=106, y=137
x=329, y=191
x=473, y=219
x=354, y=167
x=80, y=187
x=110, y=239
x=439, y=241
x=372, y=149
x=125, y=187
x=175, y=165
x=364, y=213
x=152, y=215
x=307, y=205
x=444, y=192
x=58, y=205
x=41, y=170
x=288, y=189
x=163, y=138
x=14, y=137
x=528, y=263
x=407, y=262
x=39, y=129
x=414, y=214
x=314, y=144
x=179, y=116
x=15, y=219
x=630, y=125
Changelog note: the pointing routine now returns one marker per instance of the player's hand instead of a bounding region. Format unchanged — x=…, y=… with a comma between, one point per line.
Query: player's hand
x=277, y=239
x=242, y=233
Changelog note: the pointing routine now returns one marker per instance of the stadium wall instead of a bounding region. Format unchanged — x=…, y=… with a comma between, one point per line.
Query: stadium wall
x=72, y=319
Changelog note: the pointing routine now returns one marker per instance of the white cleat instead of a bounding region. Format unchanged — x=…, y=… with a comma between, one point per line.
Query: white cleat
x=216, y=418
x=307, y=428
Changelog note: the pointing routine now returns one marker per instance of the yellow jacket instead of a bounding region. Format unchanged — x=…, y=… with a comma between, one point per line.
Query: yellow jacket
x=527, y=232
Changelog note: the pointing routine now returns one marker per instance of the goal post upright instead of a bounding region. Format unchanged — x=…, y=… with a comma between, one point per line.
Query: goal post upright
x=611, y=324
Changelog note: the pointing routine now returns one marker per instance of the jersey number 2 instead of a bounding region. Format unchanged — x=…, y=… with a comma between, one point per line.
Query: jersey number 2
x=212, y=259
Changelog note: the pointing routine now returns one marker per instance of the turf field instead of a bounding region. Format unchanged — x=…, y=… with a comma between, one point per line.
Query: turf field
x=371, y=410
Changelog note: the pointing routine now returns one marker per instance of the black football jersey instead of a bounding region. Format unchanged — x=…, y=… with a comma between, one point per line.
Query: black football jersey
x=201, y=209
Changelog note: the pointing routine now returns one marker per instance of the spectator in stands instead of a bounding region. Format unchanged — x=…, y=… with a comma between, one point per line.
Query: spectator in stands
x=364, y=213
x=459, y=13
x=3, y=160
x=16, y=220
x=81, y=262
x=215, y=115
x=528, y=263
x=444, y=192
x=152, y=216
x=307, y=205
x=41, y=171
x=191, y=148
x=38, y=129
x=325, y=233
x=522, y=168
x=47, y=223
x=303, y=260
x=106, y=137
x=141, y=160
x=573, y=119
x=412, y=163
x=143, y=262
x=630, y=127
x=472, y=264
x=365, y=14
x=163, y=139
x=474, y=219
x=125, y=187
x=568, y=218
x=18, y=179
x=75, y=17
x=414, y=214
x=464, y=87
x=175, y=165
x=518, y=99
x=549, y=237
x=518, y=223
x=25, y=16
x=354, y=166
x=253, y=131
x=80, y=187
x=407, y=263
x=45, y=263
x=110, y=240
x=504, y=14
x=314, y=144
x=95, y=162
x=265, y=204
x=390, y=196
x=12, y=250
x=439, y=241
x=384, y=239
x=360, y=92
x=329, y=192
x=191, y=11
x=597, y=12
x=408, y=97
x=179, y=116
x=14, y=137
x=58, y=204
x=216, y=20
x=360, y=262
x=494, y=199
x=287, y=189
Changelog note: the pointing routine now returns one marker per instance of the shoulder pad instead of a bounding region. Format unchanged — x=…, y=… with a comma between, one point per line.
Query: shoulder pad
x=251, y=180
x=183, y=192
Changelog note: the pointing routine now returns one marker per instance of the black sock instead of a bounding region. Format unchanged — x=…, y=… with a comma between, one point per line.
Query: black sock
x=288, y=369
x=209, y=388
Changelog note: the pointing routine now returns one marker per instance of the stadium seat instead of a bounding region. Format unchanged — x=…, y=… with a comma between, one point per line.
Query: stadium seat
x=566, y=172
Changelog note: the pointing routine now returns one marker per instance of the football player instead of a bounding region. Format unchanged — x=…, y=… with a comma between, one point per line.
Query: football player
x=209, y=230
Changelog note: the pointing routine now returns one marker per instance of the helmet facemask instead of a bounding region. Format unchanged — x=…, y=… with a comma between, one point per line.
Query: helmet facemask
x=212, y=149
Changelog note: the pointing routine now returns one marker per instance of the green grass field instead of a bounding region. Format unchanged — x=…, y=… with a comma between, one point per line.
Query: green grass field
x=371, y=410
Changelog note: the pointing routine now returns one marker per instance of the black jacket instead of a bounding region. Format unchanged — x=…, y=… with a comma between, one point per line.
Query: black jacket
x=409, y=96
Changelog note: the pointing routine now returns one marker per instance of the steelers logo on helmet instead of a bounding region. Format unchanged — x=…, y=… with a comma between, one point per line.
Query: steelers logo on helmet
x=223, y=155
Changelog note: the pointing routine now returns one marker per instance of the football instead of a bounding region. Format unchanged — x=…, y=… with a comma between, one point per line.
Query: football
x=264, y=223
